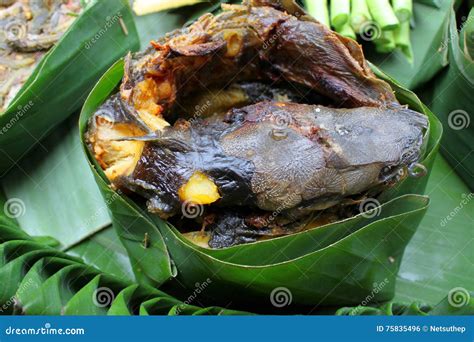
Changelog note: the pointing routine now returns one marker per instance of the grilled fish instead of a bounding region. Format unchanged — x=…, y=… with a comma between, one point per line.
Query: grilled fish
x=257, y=112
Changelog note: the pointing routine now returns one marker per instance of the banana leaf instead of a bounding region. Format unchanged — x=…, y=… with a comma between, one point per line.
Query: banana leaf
x=44, y=186
x=439, y=257
x=41, y=185
x=293, y=246
x=104, y=32
x=451, y=99
x=45, y=281
x=104, y=251
x=341, y=272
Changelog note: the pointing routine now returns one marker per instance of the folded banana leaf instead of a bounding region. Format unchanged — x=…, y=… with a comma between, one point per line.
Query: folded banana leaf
x=451, y=99
x=303, y=243
x=103, y=32
x=341, y=269
x=45, y=281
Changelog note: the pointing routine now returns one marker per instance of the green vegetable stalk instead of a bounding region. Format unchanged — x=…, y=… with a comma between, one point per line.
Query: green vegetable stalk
x=383, y=14
x=319, y=10
x=347, y=31
x=359, y=14
x=386, y=43
x=340, y=12
x=403, y=9
x=402, y=40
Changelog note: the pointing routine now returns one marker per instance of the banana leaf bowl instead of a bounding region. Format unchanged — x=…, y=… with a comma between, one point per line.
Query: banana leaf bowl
x=102, y=33
x=337, y=264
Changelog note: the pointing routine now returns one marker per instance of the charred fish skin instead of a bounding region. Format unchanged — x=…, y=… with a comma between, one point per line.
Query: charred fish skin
x=231, y=228
x=310, y=153
x=168, y=163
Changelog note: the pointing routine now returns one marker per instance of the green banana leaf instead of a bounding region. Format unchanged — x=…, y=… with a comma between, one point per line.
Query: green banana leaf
x=342, y=272
x=41, y=185
x=451, y=99
x=293, y=246
x=104, y=251
x=441, y=253
x=45, y=281
x=104, y=32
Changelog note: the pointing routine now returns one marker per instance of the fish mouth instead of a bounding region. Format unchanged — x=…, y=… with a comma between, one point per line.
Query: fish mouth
x=219, y=131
